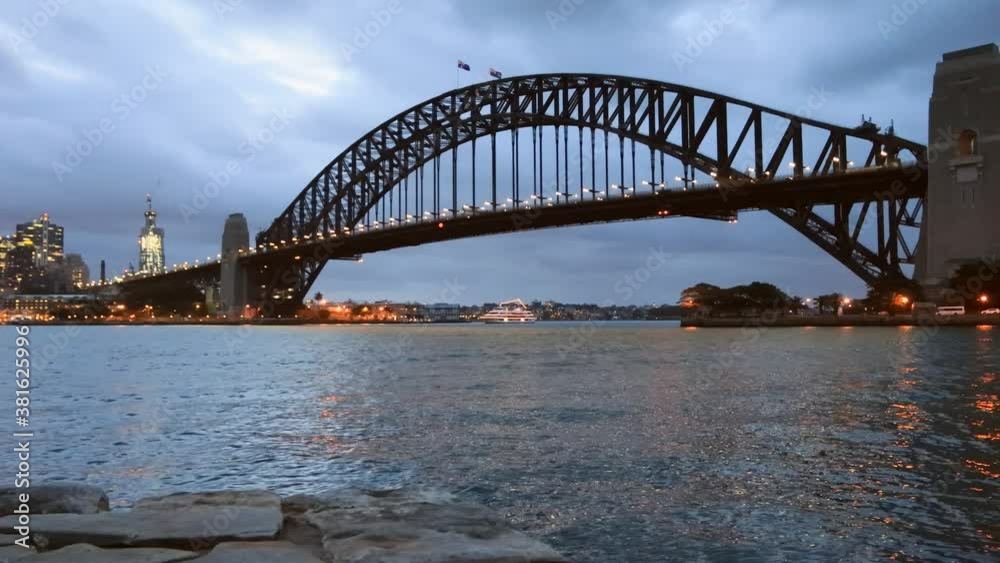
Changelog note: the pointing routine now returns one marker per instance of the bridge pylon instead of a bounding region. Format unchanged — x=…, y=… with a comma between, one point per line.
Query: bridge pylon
x=963, y=191
x=234, y=282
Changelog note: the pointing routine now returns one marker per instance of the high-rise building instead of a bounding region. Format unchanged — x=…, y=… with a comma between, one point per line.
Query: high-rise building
x=45, y=237
x=19, y=264
x=151, y=259
x=76, y=269
x=6, y=245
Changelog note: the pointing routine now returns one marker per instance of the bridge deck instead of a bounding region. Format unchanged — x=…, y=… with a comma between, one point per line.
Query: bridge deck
x=853, y=187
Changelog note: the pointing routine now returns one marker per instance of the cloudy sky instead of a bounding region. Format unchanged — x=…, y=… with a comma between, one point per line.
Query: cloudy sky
x=179, y=86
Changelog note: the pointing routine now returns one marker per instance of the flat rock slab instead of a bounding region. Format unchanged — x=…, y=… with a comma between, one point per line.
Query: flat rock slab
x=194, y=529
x=15, y=553
x=413, y=526
x=259, y=552
x=82, y=553
x=181, y=501
x=56, y=499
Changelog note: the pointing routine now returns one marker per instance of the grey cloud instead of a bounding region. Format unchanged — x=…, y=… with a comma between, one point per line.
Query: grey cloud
x=219, y=91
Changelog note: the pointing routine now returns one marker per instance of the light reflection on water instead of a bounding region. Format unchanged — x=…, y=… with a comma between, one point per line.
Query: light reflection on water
x=628, y=442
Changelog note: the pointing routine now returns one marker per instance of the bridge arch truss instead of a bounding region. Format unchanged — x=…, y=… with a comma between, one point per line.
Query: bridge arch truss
x=507, y=144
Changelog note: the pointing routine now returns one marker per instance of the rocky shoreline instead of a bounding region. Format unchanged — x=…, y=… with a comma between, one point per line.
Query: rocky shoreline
x=410, y=525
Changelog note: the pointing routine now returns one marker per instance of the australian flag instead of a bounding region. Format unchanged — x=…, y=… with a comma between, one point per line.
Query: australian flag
x=495, y=73
x=463, y=65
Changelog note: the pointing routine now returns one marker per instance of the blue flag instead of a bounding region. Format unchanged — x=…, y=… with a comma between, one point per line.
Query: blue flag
x=495, y=73
x=463, y=65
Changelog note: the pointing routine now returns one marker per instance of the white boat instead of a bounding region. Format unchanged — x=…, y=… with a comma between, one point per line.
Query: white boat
x=513, y=311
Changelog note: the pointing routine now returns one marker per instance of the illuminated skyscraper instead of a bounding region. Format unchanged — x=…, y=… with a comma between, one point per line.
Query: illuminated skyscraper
x=151, y=243
x=6, y=245
x=19, y=263
x=45, y=237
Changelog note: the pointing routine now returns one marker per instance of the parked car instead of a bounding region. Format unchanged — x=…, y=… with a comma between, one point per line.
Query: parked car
x=991, y=312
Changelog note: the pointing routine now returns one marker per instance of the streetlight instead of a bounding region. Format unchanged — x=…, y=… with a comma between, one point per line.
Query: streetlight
x=622, y=189
x=654, y=185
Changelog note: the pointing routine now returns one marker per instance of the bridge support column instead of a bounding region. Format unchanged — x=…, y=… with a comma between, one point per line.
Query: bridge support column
x=963, y=191
x=233, y=297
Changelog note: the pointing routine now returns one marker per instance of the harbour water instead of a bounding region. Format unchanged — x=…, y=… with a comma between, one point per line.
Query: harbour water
x=618, y=442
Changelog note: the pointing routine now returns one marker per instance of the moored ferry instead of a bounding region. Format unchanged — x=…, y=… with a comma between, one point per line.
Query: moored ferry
x=513, y=311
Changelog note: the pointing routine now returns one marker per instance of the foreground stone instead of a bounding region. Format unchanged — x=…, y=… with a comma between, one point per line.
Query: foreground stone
x=82, y=553
x=15, y=553
x=411, y=526
x=259, y=552
x=195, y=529
x=56, y=499
x=184, y=501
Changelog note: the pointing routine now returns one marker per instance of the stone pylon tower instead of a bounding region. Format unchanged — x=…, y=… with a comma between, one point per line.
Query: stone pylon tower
x=233, y=293
x=961, y=223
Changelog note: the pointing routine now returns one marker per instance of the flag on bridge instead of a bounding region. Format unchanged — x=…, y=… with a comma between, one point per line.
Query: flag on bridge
x=463, y=66
x=495, y=73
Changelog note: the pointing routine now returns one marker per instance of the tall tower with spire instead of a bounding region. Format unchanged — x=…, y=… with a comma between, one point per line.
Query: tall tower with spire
x=151, y=243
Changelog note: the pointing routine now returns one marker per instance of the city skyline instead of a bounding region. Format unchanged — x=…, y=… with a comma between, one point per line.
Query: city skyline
x=338, y=86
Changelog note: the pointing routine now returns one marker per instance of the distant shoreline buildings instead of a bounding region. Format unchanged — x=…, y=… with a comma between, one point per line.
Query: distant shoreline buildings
x=32, y=260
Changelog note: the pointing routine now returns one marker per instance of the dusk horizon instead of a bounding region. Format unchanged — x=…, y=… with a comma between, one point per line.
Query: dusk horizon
x=545, y=281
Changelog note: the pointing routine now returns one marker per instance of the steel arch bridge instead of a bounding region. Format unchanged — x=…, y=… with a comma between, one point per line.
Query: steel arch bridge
x=421, y=175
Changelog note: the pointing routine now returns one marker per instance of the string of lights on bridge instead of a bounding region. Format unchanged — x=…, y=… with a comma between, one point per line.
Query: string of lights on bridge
x=685, y=184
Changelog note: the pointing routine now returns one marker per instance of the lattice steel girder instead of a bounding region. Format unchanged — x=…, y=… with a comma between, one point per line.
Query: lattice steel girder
x=662, y=116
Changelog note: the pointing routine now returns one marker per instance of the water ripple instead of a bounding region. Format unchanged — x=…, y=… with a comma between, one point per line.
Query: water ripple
x=644, y=444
